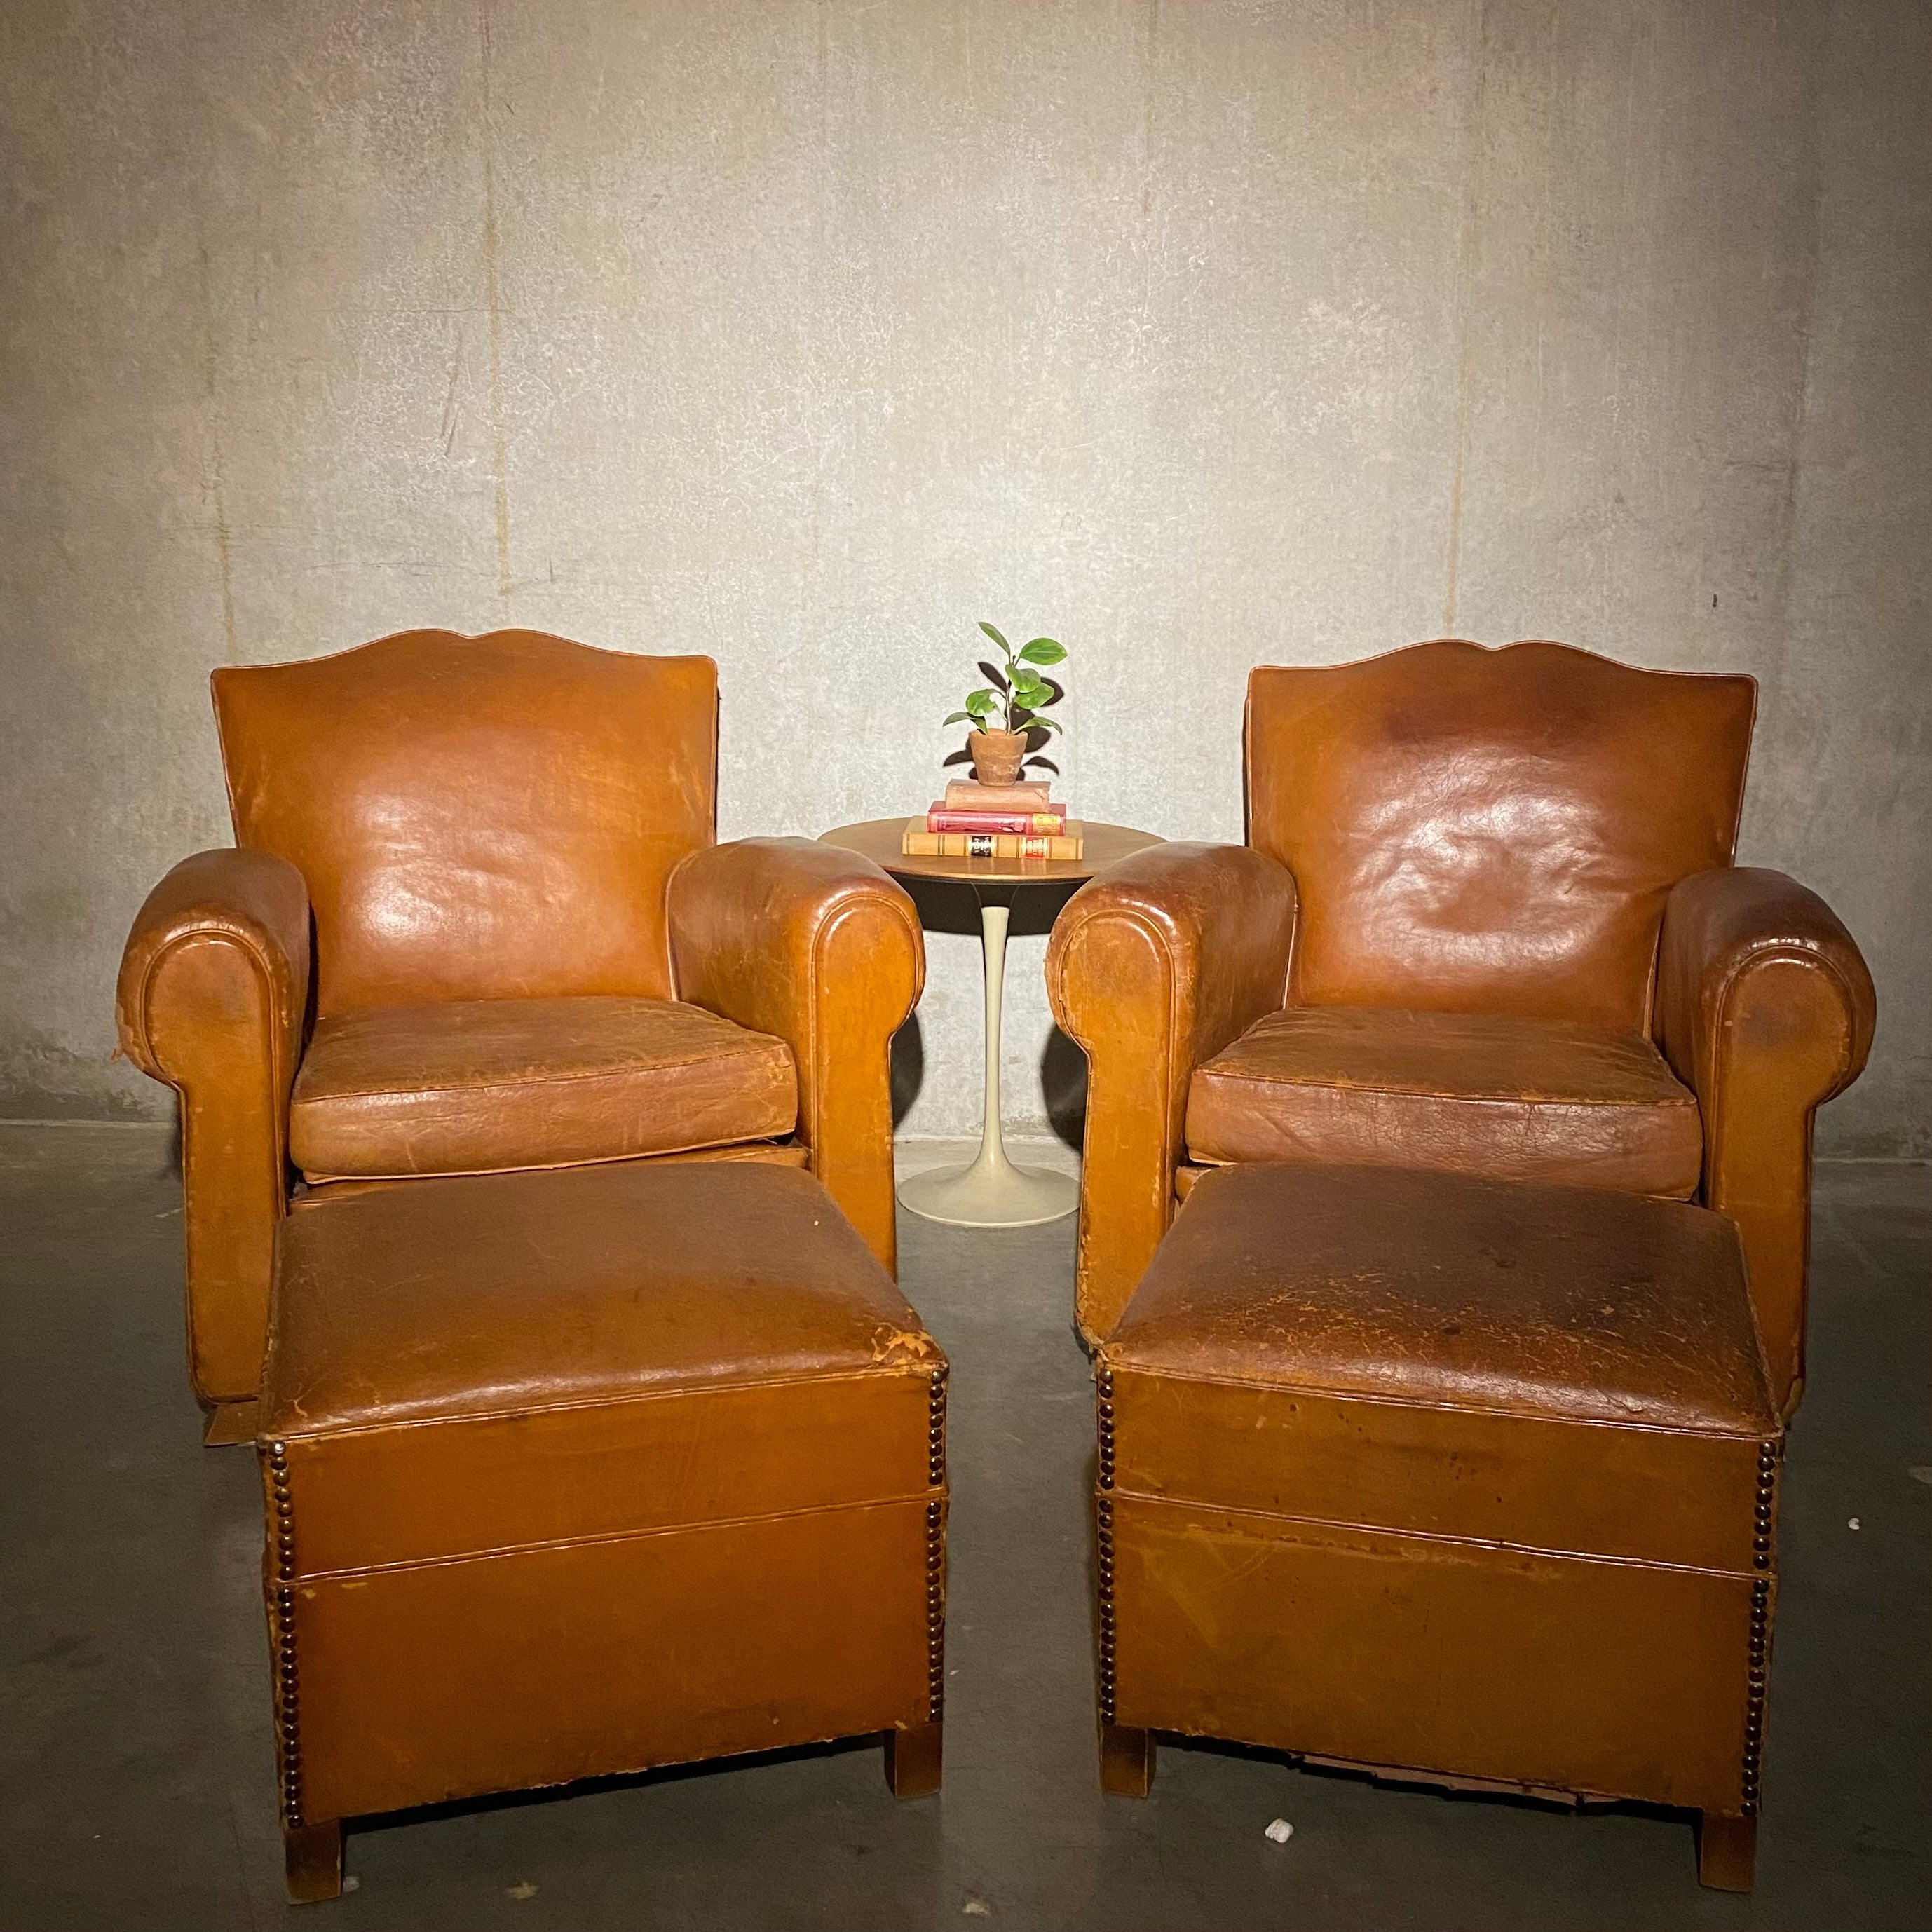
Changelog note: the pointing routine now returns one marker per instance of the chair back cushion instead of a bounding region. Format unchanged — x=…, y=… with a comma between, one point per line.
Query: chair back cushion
x=490, y=817
x=1491, y=831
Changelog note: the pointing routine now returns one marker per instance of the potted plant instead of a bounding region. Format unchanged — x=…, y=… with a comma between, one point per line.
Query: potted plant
x=1006, y=713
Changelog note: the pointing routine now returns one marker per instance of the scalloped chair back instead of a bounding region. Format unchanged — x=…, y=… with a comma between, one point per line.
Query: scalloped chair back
x=477, y=818
x=1492, y=831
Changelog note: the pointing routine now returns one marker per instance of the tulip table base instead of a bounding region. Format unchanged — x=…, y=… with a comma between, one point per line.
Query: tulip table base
x=991, y=1192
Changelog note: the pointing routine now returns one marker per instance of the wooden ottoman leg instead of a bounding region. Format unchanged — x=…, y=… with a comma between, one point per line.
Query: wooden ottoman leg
x=1126, y=1760
x=312, y=1856
x=913, y=1759
x=1727, y=1851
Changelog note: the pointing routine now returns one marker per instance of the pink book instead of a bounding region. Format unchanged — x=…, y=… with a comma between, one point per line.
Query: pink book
x=940, y=818
x=970, y=795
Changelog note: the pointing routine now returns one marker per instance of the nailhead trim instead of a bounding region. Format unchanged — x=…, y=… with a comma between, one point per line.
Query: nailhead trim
x=935, y=1431
x=1103, y=1510
x=282, y=1635
x=1757, y=1679
x=935, y=1554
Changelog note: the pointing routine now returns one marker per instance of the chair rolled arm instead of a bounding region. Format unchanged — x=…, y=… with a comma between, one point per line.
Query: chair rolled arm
x=1153, y=966
x=1764, y=1008
x=822, y=948
x=213, y=1000
x=251, y=901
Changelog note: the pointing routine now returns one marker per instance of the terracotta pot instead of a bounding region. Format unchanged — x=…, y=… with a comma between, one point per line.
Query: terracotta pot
x=996, y=755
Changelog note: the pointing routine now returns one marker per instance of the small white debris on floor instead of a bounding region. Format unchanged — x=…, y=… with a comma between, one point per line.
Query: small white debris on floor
x=1281, y=1830
x=349, y=1881
x=522, y=1889
x=1851, y=1522
x=976, y=1908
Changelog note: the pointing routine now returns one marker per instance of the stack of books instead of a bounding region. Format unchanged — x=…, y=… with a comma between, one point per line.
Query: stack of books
x=978, y=821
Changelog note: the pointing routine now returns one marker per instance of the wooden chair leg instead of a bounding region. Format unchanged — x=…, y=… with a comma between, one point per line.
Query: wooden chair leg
x=1727, y=1851
x=312, y=1855
x=1126, y=1760
x=913, y=1759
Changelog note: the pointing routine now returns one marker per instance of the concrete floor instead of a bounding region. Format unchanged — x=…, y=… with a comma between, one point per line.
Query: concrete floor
x=135, y=1779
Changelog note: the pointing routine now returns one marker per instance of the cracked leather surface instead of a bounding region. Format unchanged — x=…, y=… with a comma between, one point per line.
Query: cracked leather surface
x=1450, y=1291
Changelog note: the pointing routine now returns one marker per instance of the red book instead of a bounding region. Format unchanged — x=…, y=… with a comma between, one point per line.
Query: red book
x=944, y=818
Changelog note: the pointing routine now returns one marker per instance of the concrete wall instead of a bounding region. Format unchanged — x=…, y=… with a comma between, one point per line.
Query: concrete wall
x=805, y=332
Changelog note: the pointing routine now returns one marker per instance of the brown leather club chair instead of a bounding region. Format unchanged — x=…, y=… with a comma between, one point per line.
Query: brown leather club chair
x=475, y=919
x=1486, y=919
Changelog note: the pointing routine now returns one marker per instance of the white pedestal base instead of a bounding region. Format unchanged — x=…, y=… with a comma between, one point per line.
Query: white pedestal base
x=992, y=1192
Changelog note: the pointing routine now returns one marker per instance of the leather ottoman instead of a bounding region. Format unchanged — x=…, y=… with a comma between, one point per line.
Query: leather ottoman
x=1469, y=1481
x=577, y=1472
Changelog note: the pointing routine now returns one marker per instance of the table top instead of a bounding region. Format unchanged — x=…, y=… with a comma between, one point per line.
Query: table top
x=877, y=839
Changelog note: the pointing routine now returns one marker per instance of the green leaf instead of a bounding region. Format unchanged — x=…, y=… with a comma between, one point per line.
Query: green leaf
x=981, y=702
x=956, y=718
x=996, y=637
x=1043, y=651
x=1029, y=720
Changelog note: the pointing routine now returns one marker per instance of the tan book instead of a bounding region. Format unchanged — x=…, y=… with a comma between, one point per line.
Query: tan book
x=970, y=795
x=918, y=843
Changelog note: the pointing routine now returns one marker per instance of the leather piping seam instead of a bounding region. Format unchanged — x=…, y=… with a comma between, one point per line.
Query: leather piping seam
x=1203, y=1164
x=278, y=1174
x=824, y=933
x=1541, y=1103
x=597, y=1539
x=1737, y=970
x=735, y=1050
x=884, y=1372
x=1718, y=1119
x=264, y=968
x=313, y=1179
x=1307, y=1394
x=1163, y=946
x=1742, y=1575
x=816, y=982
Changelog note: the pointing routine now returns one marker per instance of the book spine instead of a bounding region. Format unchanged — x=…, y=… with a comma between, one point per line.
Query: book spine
x=939, y=819
x=987, y=845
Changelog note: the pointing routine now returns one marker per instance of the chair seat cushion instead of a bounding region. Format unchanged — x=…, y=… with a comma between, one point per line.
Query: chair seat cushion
x=1521, y=1099
x=483, y=1086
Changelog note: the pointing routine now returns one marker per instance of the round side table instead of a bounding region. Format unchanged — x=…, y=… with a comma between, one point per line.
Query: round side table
x=991, y=1192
